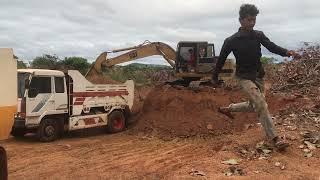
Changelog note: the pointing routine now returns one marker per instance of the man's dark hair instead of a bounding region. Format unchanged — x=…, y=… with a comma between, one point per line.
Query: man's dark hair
x=248, y=10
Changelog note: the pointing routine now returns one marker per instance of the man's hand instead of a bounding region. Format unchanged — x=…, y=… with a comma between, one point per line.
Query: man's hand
x=293, y=54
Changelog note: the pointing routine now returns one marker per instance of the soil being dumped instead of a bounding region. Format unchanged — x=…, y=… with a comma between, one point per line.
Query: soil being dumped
x=170, y=112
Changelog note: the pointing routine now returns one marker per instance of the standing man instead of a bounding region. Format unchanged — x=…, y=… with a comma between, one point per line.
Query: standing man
x=246, y=47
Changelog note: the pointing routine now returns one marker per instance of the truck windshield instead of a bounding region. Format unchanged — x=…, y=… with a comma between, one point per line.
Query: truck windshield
x=22, y=76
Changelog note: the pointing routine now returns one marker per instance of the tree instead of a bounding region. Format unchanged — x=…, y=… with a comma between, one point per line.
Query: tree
x=45, y=62
x=78, y=63
x=268, y=60
x=21, y=65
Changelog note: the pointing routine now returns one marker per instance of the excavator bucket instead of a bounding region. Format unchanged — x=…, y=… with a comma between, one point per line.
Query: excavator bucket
x=95, y=70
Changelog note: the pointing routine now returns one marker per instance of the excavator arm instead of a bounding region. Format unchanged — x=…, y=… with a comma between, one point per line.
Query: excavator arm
x=136, y=52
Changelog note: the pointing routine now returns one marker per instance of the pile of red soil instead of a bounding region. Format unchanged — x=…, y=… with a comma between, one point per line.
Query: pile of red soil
x=171, y=112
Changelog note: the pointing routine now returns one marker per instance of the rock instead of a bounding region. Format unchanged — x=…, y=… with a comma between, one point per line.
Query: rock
x=308, y=155
x=230, y=162
x=264, y=148
x=224, y=148
x=248, y=126
x=310, y=145
x=292, y=138
x=209, y=127
x=262, y=158
x=291, y=128
x=277, y=164
x=306, y=150
x=301, y=146
x=243, y=151
x=194, y=172
x=282, y=167
x=65, y=145
x=234, y=171
x=266, y=151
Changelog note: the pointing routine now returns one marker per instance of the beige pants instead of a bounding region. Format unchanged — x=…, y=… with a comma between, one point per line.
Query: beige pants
x=255, y=91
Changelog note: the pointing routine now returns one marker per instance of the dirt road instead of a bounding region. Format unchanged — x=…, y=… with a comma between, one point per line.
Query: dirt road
x=153, y=147
x=124, y=156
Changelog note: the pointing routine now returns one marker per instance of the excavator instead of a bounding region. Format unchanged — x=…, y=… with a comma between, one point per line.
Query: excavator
x=192, y=62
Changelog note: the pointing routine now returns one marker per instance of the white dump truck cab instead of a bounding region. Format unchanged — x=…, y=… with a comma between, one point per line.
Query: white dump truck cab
x=51, y=102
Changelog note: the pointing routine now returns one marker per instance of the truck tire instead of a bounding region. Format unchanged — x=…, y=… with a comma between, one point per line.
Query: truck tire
x=18, y=133
x=116, y=122
x=3, y=164
x=48, y=130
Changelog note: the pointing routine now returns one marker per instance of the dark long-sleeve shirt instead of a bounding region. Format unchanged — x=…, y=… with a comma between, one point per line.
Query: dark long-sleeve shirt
x=246, y=47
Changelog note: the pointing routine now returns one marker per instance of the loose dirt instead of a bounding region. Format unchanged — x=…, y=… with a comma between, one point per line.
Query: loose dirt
x=169, y=112
x=176, y=133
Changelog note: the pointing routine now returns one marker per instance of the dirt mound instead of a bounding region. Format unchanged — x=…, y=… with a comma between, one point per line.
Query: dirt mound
x=171, y=112
x=102, y=80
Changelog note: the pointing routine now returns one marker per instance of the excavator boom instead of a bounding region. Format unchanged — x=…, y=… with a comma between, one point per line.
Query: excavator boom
x=145, y=49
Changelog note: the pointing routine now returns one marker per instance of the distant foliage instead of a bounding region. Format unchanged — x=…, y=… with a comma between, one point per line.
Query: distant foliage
x=270, y=66
x=267, y=60
x=77, y=63
x=21, y=65
x=141, y=74
x=45, y=62
x=53, y=62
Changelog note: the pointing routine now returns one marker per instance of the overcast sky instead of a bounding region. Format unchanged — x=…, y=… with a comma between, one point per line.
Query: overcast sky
x=88, y=27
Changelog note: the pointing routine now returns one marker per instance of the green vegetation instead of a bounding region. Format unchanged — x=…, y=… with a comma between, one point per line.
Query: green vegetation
x=268, y=60
x=53, y=62
x=141, y=74
x=21, y=65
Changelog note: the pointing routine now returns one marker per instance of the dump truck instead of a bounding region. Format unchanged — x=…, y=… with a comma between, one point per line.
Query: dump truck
x=192, y=61
x=51, y=102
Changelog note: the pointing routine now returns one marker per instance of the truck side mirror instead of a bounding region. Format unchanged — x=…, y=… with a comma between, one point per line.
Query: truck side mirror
x=32, y=93
x=26, y=84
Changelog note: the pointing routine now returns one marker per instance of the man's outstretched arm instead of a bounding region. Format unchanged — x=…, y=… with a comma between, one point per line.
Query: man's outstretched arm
x=225, y=51
x=271, y=46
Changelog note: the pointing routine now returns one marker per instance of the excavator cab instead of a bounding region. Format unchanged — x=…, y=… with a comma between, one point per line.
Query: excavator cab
x=196, y=59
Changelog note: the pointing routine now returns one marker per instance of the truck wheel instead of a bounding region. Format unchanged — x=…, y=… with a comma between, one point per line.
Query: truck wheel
x=116, y=122
x=18, y=132
x=48, y=130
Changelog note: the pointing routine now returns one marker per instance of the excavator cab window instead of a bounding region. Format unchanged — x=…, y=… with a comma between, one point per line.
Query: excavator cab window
x=187, y=60
x=206, y=53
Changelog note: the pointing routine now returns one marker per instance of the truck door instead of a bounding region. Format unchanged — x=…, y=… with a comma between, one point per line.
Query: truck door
x=40, y=99
x=60, y=95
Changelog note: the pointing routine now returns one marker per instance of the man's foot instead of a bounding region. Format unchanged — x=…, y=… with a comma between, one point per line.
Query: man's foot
x=225, y=111
x=280, y=145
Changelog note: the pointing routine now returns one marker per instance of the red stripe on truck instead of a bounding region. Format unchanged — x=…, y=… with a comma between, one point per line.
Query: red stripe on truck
x=89, y=121
x=100, y=94
x=80, y=99
x=78, y=103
